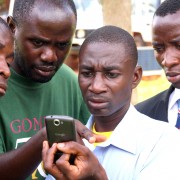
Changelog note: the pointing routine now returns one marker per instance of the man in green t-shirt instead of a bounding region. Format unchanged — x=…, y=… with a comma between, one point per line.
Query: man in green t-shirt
x=39, y=85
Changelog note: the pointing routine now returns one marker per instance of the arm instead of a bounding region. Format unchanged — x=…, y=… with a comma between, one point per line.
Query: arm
x=86, y=165
x=24, y=160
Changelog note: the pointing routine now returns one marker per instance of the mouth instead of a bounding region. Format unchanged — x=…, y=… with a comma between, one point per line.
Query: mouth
x=97, y=103
x=173, y=76
x=45, y=70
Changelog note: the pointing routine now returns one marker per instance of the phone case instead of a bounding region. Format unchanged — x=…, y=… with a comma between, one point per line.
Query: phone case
x=60, y=129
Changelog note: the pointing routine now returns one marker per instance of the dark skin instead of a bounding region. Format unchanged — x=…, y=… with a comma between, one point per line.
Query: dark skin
x=106, y=78
x=86, y=166
x=16, y=160
x=6, y=57
x=43, y=42
x=42, y=49
x=166, y=43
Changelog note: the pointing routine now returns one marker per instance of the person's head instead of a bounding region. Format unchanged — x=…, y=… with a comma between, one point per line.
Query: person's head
x=166, y=39
x=108, y=70
x=43, y=31
x=6, y=54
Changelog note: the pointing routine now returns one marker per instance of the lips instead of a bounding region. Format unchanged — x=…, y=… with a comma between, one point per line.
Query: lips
x=173, y=76
x=96, y=103
x=45, y=70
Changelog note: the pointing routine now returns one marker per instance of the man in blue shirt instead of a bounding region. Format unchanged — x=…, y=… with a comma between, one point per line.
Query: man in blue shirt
x=137, y=147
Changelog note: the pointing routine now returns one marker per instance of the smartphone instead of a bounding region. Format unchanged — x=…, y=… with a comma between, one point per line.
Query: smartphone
x=60, y=128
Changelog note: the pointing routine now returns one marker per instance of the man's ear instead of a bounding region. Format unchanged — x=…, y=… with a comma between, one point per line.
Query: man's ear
x=137, y=76
x=11, y=23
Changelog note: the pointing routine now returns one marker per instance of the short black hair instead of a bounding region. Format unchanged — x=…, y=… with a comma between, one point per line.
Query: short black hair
x=23, y=8
x=113, y=35
x=168, y=7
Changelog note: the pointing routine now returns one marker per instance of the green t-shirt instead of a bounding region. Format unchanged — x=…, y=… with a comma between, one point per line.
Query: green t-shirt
x=26, y=103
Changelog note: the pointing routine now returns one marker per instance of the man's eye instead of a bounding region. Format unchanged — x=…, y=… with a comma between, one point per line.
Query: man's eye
x=87, y=74
x=37, y=42
x=158, y=49
x=111, y=75
x=63, y=45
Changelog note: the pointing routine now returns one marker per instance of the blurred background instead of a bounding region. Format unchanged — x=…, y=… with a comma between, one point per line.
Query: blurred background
x=135, y=16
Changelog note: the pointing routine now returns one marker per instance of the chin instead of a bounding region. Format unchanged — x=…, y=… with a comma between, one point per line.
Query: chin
x=41, y=79
x=98, y=113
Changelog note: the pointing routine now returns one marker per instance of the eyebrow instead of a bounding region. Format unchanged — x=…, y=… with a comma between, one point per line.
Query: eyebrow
x=172, y=41
x=85, y=67
x=109, y=68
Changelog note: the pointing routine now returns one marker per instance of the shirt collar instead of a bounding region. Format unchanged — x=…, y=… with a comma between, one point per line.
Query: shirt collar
x=173, y=98
x=125, y=134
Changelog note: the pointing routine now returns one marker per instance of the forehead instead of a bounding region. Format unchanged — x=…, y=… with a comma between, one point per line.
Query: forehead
x=101, y=53
x=51, y=21
x=49, y=11
x=167, y=26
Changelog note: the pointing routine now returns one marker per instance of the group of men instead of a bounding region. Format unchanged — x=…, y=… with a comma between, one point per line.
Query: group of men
x=136, y=146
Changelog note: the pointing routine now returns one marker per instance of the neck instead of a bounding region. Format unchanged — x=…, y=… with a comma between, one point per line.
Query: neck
x=109, y=123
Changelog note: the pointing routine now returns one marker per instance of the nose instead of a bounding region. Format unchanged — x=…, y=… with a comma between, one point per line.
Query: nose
x=49, y=54
x=98, y=84
x=171, y=58
x=4, y=68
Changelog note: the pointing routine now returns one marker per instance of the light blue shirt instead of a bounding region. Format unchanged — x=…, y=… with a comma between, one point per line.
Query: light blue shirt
x=140, y=148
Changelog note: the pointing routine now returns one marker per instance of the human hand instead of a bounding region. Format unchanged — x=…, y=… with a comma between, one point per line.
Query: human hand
x=84, y=132
x=86, y=166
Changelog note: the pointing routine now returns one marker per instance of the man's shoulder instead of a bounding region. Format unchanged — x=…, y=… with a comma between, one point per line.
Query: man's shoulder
x=162, y=96
x=151, y=100
x=156, y=106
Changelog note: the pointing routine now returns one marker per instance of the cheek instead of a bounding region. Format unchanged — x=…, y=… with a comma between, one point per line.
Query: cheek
x=29, y=55
x=21, y=49
x=83, y=85
x=123, y=91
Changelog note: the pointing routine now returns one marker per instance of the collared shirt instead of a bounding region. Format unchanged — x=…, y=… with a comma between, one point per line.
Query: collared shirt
x=173, y=107
x=140, y=149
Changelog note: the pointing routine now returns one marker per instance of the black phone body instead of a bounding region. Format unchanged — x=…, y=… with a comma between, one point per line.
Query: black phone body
x=60, y=129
